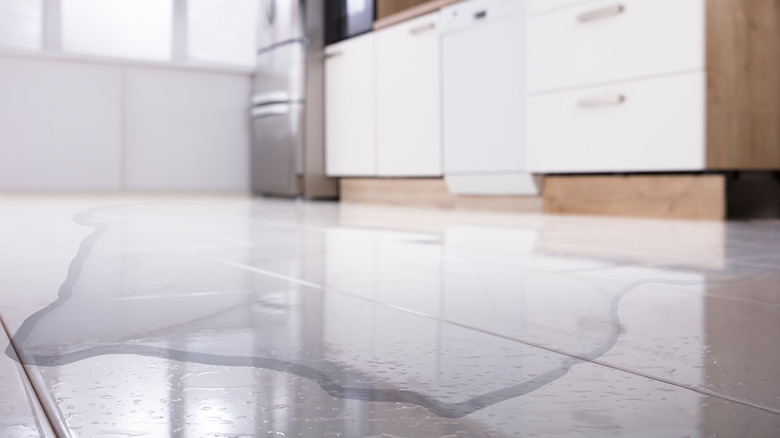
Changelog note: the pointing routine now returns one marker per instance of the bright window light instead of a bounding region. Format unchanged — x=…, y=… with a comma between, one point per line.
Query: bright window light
x=20, y=24
x=222, y=31
x=118, y=28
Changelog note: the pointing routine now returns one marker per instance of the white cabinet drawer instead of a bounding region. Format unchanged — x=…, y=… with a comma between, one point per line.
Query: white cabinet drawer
x=659, y=126
x=606, y=40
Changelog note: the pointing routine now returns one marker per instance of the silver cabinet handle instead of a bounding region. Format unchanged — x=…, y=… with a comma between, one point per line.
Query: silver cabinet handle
x=600, y=13
x=610, y=100
x=423, y=28
x=333, y=54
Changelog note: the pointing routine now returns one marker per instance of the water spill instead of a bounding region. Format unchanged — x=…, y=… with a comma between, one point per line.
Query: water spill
x=212, y=336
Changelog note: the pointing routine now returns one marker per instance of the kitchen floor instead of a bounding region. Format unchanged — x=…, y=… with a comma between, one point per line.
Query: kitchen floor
x=231, y=316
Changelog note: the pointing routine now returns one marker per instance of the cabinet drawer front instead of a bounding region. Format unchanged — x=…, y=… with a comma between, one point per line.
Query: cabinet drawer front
x=650, y=125
x=607, y=40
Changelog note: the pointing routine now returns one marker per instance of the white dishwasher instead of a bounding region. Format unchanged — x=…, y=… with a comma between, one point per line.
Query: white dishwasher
x=483, y=98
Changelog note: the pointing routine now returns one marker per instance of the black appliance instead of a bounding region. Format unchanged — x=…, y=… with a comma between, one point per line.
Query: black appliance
x=347, y=18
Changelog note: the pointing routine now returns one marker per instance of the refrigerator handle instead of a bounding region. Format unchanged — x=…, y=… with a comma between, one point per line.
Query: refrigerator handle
x=276, y=109
x=270, y=97
x=269, y=10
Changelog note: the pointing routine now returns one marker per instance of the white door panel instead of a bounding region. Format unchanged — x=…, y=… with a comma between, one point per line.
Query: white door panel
x=350, y=145
x=408, y=98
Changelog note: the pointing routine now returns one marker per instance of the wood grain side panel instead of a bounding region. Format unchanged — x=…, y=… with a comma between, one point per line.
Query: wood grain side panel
x=389, y=15
x=653, y=196
x=386, y=8
x=743, y=85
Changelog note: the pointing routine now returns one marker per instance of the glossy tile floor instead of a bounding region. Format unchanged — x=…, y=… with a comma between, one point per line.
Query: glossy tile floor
x=230, y=317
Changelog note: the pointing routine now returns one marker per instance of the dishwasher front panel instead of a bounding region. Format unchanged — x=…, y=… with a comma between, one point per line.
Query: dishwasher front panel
x=483, y=96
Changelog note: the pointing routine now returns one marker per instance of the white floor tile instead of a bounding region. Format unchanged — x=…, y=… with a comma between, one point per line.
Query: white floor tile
x=263, y=317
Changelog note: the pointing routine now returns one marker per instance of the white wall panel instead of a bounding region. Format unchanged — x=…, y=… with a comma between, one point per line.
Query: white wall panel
x=60, y=125
x=186, y=130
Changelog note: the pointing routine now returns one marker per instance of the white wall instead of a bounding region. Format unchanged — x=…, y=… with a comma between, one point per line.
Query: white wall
x=186, y=130
x=60, y=125
x=70, y=124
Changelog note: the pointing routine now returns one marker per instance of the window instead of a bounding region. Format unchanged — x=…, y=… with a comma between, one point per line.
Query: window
x=120, y=28
x=222, y=31
x=20, y=24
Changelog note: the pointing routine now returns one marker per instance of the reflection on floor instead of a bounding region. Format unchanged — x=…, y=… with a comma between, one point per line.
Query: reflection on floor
x=263, y=317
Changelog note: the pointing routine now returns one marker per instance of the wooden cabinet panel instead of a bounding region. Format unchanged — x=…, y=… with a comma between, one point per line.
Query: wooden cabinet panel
x=743, y=84
x=390, y=7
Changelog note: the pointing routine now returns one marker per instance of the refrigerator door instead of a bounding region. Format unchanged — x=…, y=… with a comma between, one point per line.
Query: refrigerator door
x=280, y=21
x=280, y=69
x=276, y=147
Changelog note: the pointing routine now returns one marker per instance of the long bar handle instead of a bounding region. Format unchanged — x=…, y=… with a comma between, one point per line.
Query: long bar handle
x=423, y=28
x=594, y=102
x=598, y=14
x=333, y=54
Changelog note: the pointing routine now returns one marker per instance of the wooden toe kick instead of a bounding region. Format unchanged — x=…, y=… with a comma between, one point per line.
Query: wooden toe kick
x=670, y=196
x=683, y=196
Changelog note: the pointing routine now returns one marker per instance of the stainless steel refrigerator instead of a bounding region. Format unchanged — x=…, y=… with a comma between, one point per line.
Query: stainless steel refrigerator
x=287, y=113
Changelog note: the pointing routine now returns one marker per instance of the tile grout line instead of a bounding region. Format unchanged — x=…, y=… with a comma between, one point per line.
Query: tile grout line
x=44, y=407
x=487, y=332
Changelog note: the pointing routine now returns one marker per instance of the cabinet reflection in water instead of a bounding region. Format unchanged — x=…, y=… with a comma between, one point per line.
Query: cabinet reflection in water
x=286, y=317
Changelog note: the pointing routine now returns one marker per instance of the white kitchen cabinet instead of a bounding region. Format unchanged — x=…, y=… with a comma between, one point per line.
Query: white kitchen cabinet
x=408, y=98
x=350, y=104
x=617, y=87
x=601, y=41
x=656, y=124
x=653, y=85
